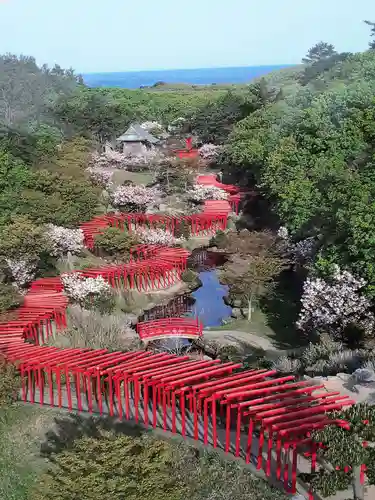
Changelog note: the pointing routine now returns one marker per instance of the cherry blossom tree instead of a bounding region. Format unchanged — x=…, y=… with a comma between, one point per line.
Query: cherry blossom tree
x=335, y=304
x=100, y=176
x=201, y=193
x=157, y=237
x=209, y=152
x=22, y=270
x=64, y=240
x=135, y=195
x=111, y=158
x=79, y=288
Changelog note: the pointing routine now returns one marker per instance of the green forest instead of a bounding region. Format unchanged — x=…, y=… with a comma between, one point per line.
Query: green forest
x=302, y=141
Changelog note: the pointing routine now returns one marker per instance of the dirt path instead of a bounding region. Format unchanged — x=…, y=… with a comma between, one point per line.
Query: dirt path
x=242, y=340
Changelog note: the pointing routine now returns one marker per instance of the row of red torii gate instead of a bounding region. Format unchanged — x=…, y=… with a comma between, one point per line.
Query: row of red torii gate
x=257, y=415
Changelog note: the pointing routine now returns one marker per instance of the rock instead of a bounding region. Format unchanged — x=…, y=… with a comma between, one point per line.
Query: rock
x=133, y=318
x=236, y=313
x=364, y=375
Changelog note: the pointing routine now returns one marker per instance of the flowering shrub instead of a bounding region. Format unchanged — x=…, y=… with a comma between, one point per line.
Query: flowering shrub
x=64, y=240
x=138, y=195
x=157, y=237
x=23, y=270
x=154, y=128
x=114, y=159
x=100, y=176
x=176, y=125
x=209, y=152
x=335, y=304
x=80, y=289
x=283, y=233
x=202, y=193
x=302, y=251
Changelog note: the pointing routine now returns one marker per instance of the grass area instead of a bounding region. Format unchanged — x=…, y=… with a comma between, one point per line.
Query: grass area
x=22, y=429
x=260, y=326
x=120, y=176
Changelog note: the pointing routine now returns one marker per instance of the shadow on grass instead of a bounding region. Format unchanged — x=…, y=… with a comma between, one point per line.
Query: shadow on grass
x=281, y=308
x=71, y=427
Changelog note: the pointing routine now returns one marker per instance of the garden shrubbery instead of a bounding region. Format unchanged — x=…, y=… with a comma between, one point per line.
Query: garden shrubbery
x=116, y=242
x=109, y=466
x=10, y=382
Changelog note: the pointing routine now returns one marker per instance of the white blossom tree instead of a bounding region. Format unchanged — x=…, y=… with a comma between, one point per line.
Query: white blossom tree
x=201, y=193
x=209, y=152
x=100, y=176
x=22, y=270
x=64, y=240
x=79, y=288
x=138, y=195
x=335, y=304
x=157, y=237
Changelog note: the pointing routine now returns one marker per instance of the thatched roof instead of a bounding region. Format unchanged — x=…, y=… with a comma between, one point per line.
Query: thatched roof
x=136, y=133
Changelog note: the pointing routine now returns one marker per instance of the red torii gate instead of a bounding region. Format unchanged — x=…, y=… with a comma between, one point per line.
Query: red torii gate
x=284, y=411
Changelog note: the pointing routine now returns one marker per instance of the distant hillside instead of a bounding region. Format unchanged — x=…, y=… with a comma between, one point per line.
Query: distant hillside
x=28, y=91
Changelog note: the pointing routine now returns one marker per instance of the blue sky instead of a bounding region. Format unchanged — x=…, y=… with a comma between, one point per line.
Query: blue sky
x=125, y=35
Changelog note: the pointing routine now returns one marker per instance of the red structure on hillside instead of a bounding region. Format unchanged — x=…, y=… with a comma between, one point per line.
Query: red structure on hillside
x=254, y=414
x=189, y=152
x=267, y=417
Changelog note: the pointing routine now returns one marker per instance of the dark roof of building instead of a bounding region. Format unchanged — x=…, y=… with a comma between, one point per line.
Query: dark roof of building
x=136, y=133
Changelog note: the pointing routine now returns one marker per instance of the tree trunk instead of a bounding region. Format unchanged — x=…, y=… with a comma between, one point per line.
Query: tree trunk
x=250, y=310
x=358, y=488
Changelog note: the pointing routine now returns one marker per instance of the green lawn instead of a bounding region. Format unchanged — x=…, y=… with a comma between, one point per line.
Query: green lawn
x=120, y=176
x=22, y=429
x=281, y=332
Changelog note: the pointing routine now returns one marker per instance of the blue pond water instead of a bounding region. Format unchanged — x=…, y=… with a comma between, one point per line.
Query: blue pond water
x=209, y=305
x=206, y=302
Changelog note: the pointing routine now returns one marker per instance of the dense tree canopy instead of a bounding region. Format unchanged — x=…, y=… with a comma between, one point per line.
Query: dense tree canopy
x=312, y=154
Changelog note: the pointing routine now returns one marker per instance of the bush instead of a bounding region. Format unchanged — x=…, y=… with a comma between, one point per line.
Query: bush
x=10, y=382
x=220, y=240
x=112, y=466
x=10, y=298
x=183, y=230
x=189, y=276
x=116, y=242
x=96, y=331
x=22, y=238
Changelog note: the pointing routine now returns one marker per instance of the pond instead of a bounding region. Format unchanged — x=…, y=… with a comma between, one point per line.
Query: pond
x=207, y=301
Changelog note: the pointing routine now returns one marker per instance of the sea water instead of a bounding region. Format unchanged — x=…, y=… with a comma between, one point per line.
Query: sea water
x=202, y=76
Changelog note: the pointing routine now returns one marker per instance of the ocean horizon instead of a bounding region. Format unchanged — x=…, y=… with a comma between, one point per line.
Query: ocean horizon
x=198, y=76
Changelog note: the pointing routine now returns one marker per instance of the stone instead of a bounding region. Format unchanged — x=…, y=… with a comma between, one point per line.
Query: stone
x=133, y=318
x=364, y=375
x=236, y=313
